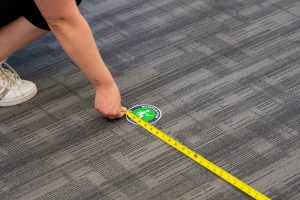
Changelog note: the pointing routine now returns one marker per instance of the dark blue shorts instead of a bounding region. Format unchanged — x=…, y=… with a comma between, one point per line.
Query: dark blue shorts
x=13, y=9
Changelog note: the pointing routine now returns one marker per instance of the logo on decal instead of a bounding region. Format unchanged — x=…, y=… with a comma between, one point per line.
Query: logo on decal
x=146, y=112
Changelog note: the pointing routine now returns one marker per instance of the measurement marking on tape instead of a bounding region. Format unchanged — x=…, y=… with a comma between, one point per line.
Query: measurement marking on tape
x=198, y=158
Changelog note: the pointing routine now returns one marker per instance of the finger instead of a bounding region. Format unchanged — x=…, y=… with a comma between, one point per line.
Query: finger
x=123, y=109
x=121, y=112
x=120, y=115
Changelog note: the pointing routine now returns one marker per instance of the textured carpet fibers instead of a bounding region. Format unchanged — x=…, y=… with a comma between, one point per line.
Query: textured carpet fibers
x=225, y=74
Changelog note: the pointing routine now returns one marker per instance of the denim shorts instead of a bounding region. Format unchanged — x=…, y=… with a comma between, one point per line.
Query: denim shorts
x=13, y=9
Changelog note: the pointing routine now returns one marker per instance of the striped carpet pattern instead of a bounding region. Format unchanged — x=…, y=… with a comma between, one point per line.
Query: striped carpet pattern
x=225, y=74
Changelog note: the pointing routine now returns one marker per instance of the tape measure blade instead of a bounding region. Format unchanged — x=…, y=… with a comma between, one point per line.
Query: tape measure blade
x=198, y=158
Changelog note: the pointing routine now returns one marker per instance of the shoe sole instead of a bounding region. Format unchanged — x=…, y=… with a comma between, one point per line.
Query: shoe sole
x=19, y=100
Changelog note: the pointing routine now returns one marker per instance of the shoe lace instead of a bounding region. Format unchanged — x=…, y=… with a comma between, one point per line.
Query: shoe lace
x=8, y=77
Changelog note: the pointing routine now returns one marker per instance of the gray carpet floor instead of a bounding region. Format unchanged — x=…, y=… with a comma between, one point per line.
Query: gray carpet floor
x=225, y=73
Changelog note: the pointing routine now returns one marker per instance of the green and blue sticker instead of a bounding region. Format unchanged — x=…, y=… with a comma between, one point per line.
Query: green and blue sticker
x=146, y=112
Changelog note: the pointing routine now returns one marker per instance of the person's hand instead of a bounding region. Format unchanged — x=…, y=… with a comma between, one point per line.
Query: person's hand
x=108, y=102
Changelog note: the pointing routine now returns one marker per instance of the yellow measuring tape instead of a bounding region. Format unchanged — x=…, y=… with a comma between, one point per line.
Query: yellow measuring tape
x=198, y=158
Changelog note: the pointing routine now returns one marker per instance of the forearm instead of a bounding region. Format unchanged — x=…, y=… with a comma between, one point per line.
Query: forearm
x=77, y=40
x=75, y=36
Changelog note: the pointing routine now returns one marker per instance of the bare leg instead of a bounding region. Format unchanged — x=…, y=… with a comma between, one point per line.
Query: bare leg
x=17, y=35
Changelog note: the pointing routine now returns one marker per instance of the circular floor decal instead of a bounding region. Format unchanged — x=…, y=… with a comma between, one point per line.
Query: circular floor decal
x=146, y=112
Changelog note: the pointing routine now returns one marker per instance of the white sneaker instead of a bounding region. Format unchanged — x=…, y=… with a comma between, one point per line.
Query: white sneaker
x=14, y=90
